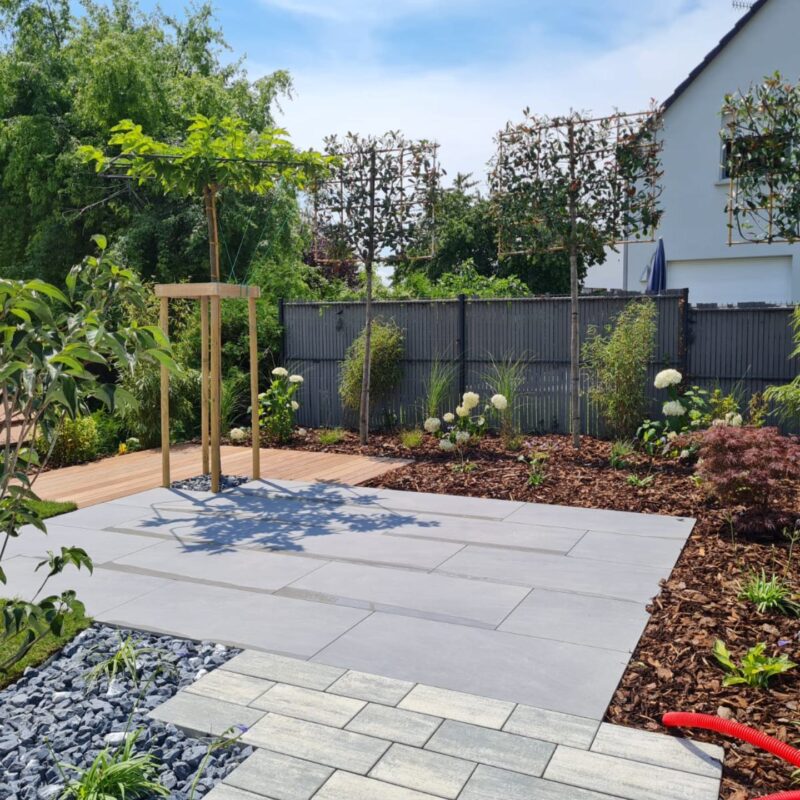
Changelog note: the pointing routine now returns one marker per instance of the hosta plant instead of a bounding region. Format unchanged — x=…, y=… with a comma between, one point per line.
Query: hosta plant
x=755, y=669
x=277, y=406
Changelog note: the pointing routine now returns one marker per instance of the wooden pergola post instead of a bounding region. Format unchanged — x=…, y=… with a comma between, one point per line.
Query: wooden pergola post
x=210, y=296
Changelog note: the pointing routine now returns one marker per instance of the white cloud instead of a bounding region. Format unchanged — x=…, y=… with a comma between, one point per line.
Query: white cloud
x=464, y=108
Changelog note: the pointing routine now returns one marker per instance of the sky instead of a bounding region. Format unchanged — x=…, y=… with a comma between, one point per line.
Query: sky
x=457, y=70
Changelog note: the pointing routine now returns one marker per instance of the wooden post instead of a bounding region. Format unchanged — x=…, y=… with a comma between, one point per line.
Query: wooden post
x=251, y=315
x=204, y=382
x=216, y=358
x=165, y=477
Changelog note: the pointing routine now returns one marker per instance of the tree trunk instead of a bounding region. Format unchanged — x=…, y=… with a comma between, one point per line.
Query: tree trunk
x=363, y=421
x=210, y=202
x=574, y=344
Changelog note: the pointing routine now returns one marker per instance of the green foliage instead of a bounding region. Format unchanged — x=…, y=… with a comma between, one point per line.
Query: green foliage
x=411, y=439
x=466, y=280
x=755, y=669
x=109, y=431
x=45, y=509
x=386, y=368
x=277, y=406
x=75, y=441
x=44, y=647
x=123, y=661
x=537, y=467
x=54, y=344
x=438, y=387
x=505, y=378
x=621, y=450
x=116, y=773
x=331, y=436
x=617, y=363
x=769, y=594
x=640, y=482
x=763, y=159
x=787, y=397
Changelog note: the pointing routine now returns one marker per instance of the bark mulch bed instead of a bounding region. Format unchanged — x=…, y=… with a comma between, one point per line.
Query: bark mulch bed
x=672, y=668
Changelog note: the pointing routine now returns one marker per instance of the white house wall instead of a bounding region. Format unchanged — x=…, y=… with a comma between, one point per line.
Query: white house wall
x=694, y=226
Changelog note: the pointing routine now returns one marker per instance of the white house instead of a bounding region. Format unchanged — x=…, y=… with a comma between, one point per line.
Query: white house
x=694, y=225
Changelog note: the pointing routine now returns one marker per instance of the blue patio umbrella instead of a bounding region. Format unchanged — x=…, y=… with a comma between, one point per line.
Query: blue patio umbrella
x=658, y=271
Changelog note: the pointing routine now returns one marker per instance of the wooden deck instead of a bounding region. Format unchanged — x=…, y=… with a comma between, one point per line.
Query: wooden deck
x=118, y=476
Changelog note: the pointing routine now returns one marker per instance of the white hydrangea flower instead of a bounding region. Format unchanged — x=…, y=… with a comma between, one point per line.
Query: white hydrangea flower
x=470, y=400
x=462, y=437
x=295, y=379
x=449, y=417
x=672, y=436
x=262, y=396
x=446, y=445
x=461, y=411
x=481, y=422
x=280, y=372
x=302, y=432
x=295, y=405
x=500, y=402
x=718, y=423
x=237, y=435
x=667, y=377
x=733, y=419
x=673, y=408
x=432, y=424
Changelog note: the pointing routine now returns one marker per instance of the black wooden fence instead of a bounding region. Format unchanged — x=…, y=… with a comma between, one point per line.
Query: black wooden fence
x=740, y=349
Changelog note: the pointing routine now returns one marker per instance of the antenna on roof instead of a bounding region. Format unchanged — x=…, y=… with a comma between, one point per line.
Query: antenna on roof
x=743, y=4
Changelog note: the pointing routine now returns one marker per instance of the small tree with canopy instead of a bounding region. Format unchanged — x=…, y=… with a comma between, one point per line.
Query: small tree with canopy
x=380, y=192
x=576, y=184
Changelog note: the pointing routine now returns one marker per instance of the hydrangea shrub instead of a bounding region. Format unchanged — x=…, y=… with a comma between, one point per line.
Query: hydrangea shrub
x=277, y=406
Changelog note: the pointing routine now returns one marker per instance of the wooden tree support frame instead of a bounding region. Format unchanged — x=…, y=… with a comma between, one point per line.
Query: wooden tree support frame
x=210, y=296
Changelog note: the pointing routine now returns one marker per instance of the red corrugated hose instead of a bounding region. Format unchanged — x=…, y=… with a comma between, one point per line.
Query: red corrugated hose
x=727, y=727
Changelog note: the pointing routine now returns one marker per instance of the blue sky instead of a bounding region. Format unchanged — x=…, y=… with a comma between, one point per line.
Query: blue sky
x=456, y=70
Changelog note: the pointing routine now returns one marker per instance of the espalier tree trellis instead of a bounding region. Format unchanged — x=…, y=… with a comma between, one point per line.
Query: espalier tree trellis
x=762, y=155
x=576, y=183
x=381, y=190
x=217, y=155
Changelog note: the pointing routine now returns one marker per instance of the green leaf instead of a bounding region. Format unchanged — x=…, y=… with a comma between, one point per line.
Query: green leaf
x=100, y=241
x=37, y=285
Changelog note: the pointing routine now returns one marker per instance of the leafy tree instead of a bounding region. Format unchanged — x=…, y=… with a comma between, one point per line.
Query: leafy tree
x=370, y=211
x=576, y=185
x=763, y=160
x=53, y=345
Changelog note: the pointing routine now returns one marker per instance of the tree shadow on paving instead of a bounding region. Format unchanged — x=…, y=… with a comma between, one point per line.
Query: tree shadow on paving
x=278, y=522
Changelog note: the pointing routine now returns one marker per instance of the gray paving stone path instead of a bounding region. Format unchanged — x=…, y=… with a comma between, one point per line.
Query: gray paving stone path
x=409, y=634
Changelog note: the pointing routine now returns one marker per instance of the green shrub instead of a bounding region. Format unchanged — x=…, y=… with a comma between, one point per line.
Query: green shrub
x=144, y=421
x=386, y=368
x=109, y=432
x=787, y=398
x=617, y=363
x=76, y=442
x=277, y=406
x=621, y=450
x=411, y=439
x=331, y=436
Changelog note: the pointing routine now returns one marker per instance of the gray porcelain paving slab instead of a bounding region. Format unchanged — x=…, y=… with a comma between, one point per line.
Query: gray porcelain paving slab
x=597, y=519
x=102, y=546
x=344, y=786
x=458, y=705
x=561, y=573
x=395, y=724
x=204, y=715
x=426, y=503
x=434, y=596
x=659, y=749
x=278, y=776
x=211, y=532
x=101, y=592
x=631, y=780
x=436, y=774
x=223, y=792
x=309, y=704
x=236, y=617
x=152, y=497
x=490, y=783
x=241, y=568
x=563, y=677
x=552, y=726
x=372, y=688
x=495, y=748
x=100, y=516
x=624, y=549
x=281, y=669
x=319, y=743
x=579, y=618
x=230, y=687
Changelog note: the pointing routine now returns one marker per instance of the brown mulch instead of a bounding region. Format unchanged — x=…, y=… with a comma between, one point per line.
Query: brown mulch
x=672, y=668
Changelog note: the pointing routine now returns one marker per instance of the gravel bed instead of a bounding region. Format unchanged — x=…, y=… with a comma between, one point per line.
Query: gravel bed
x=51, y=715
x=202, y=483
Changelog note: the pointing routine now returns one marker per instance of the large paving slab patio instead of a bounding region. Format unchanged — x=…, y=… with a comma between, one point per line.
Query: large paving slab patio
x=511, y=617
